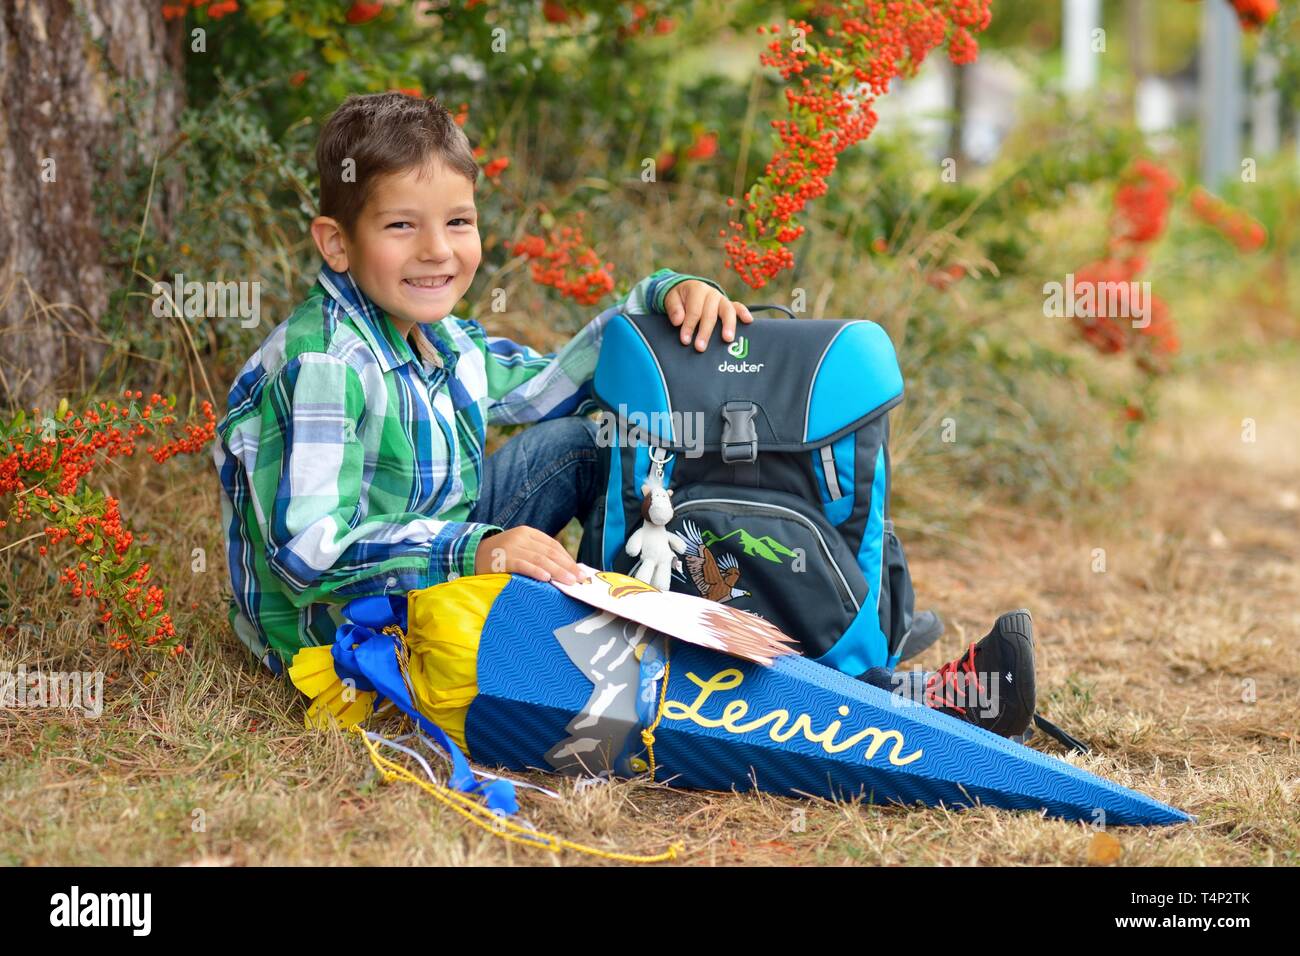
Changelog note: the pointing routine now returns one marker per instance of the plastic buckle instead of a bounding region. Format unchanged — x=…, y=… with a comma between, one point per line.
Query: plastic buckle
x=739, y=436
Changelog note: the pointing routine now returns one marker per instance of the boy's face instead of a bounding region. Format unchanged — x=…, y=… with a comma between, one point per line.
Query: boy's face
x=417, y=226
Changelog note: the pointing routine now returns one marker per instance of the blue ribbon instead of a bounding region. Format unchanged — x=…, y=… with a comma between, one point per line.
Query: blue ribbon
x=364, y=653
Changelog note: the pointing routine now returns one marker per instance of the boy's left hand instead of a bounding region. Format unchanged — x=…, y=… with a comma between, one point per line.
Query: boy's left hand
x=696, y=306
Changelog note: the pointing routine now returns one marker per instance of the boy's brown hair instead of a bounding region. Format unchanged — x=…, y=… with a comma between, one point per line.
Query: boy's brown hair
x=384, y=133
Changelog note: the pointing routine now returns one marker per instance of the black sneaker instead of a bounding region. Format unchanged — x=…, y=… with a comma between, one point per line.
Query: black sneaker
x=1006, y=656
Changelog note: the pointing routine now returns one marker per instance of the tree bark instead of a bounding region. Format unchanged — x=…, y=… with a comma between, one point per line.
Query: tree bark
x=62, y=133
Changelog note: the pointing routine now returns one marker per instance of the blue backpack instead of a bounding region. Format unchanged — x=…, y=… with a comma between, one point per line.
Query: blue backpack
x=776, y=450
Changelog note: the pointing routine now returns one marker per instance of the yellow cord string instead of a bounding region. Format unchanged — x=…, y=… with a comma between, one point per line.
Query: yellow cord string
x=648, y=733
x=503, y=827
x=403, y=665
x=479, y=814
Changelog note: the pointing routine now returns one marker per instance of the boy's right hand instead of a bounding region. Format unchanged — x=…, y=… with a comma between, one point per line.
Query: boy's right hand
x=526, y=551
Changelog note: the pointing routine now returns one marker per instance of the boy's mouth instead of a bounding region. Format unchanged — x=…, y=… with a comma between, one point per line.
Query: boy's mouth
x=428, y=282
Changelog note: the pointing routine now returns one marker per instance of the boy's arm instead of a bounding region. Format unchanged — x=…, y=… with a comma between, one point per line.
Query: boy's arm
x=308, y=483
x=528, y=386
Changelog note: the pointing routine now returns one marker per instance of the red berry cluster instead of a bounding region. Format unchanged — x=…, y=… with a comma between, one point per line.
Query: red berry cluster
x=1142, y=202
x=1139, y=217
x=43, y=469
x=196, y=438
x=868, y=43
x=1108, y=326
x=942, y=277
x=566, y=262
x=555, y=12
x=122, y=593
x=493, y=168
x=641, y=19
x=703, y=147
x=216, y=9
x=1242, y=230
x=363, y=12
x=1253, y=14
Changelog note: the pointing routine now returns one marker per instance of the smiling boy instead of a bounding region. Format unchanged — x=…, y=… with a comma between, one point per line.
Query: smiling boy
x=351, y=454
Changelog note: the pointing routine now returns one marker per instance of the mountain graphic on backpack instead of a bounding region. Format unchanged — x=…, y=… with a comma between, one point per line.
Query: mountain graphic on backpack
x=765, y=546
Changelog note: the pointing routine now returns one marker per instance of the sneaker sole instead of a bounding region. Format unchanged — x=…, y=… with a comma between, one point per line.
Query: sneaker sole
x=1019, y=627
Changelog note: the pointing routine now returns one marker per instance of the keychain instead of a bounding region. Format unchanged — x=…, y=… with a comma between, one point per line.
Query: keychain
x=653, y=543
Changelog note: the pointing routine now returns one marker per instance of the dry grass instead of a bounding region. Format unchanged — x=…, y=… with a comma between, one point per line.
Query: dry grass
x=1148, y=660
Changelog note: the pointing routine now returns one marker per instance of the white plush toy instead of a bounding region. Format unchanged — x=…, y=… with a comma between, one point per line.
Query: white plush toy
x=653, y=542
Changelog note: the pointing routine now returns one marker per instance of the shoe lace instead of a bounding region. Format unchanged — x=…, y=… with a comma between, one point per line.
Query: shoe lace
x=942, y=688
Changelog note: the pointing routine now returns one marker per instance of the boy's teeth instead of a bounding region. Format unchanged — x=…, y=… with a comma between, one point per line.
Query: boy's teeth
x=430, y=283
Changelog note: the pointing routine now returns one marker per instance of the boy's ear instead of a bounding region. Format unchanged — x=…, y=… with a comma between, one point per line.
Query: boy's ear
x=328, y=236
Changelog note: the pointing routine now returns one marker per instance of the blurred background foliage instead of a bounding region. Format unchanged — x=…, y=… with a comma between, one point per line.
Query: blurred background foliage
x=579, y=96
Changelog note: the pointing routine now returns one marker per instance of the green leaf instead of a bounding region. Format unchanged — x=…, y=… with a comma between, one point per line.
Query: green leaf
x=262, y=10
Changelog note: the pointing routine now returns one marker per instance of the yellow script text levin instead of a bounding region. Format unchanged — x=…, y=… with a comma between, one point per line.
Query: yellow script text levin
x=734, y=712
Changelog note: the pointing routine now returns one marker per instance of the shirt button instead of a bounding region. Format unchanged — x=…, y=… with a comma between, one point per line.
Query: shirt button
x=452, y=575
x=392, y=582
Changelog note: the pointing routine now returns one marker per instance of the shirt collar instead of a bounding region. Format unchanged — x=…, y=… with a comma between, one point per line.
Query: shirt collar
x=380, y=334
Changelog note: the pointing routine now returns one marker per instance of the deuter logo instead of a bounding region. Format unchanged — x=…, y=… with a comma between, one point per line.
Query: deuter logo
x=739, y=349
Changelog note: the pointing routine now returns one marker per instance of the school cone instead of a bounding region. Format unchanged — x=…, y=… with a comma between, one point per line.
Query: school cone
x=524, y=676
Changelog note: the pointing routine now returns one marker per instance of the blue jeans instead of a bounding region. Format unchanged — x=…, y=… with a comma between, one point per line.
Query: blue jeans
x=910, y=683
x=542, y=477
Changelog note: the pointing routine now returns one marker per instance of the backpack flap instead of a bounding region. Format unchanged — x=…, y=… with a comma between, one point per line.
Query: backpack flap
x=780, y=386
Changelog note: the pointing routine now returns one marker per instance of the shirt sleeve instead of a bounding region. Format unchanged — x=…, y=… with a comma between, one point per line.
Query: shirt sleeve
x=525, y=385
x=309, y=486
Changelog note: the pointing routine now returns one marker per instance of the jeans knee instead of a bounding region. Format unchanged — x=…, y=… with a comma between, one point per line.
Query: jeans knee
x=563, y=436
x=584, y=431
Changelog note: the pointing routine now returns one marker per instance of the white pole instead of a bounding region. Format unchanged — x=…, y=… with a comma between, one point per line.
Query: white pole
x=1220, y=82
x=1080, y=19
x=1265, y=131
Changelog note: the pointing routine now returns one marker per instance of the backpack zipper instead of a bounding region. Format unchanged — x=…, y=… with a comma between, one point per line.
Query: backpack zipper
x=844, y=589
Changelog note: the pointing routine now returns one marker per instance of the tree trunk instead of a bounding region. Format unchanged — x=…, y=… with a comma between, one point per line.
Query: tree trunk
x=960, y=80
x=62, y=134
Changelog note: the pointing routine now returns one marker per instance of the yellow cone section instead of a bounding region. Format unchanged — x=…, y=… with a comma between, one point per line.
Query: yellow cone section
x=312, y=672
x=444, y=625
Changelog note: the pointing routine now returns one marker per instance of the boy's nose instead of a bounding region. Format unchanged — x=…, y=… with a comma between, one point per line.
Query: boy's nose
x=436, y=246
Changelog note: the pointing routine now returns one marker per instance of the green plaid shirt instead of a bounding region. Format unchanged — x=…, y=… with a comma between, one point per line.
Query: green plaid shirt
x=348, y=463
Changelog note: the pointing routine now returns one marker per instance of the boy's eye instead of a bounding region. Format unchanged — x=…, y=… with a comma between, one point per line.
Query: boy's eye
x=398, y=225
x=466, y=221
